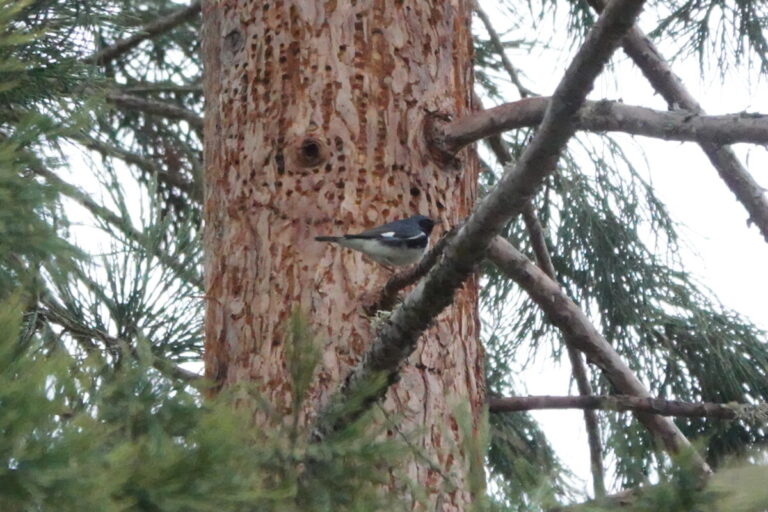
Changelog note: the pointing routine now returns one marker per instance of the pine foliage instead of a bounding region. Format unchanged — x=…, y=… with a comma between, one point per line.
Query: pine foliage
x=100, y=294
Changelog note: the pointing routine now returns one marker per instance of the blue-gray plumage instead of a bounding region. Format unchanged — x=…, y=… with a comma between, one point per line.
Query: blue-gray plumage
x=397, y=243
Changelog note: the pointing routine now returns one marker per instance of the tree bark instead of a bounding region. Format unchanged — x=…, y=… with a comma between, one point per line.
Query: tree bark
x=314, y=125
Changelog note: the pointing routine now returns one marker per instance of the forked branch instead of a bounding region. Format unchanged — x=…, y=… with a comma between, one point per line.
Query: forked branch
x=647, y=57
x=580, y=333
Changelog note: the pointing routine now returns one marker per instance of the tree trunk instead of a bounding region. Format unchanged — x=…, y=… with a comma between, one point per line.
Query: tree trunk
x=314, y=125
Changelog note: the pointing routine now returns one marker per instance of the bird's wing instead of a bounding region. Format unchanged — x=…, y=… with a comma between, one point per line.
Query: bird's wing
x=391, y=230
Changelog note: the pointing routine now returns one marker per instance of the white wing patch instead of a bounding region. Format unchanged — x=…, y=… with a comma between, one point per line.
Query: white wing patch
x=416, y=237
x=388, y=234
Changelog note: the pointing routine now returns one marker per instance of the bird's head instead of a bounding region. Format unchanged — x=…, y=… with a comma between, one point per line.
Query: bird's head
x=425, y=222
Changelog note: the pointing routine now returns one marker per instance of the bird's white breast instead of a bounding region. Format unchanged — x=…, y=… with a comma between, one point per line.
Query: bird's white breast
x=382, y=253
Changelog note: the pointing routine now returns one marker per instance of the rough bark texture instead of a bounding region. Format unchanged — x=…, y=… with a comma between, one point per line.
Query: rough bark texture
x=314, y=126
x=398, y=337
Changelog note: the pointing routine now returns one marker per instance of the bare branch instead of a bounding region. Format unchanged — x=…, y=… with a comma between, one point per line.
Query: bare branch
x=149, y=87
x=648, y=58
x=626, y=403
x=153, y=29
x=397, y=338
x=579, y=369
x=499, y=47
x=182, y=271
x=571, y=320
x=156, y=108
x=607, y=116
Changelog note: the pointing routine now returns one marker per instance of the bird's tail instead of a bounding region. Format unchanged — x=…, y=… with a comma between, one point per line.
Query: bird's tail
x=328, y=238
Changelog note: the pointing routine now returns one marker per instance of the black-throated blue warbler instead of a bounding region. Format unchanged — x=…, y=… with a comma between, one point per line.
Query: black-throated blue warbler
x=397, y=243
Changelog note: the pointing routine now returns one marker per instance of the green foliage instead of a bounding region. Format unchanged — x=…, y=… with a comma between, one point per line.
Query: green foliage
x=740, y=487
x=523, y=465
x=724, y=31
x=613, y=247
x=29, y=218
x=84, y=435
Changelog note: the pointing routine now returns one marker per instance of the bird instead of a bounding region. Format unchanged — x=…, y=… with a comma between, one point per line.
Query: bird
x=398, y=243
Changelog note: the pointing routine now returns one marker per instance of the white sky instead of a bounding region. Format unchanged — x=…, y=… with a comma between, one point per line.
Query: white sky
x=718, y=247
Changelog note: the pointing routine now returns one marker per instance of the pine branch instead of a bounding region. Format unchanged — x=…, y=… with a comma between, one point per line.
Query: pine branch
x=149, y=87
x=182, y=271
x=156, y=108
x=397, y=338
x=650, y=61
x=153, y=29
x=572, y=321
x=148, y=166
x=607, y=116
x=579, y=369
x=628, y=403
x=56, y=314
x=499, y=47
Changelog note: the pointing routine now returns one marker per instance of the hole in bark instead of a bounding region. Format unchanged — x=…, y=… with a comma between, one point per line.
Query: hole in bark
x=310, y=149
x=415, y=191
x=328, y=167
x=234, y=41
x=311, y=152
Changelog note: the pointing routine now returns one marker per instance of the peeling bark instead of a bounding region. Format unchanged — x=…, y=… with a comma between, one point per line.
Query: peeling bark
x=314, y=125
